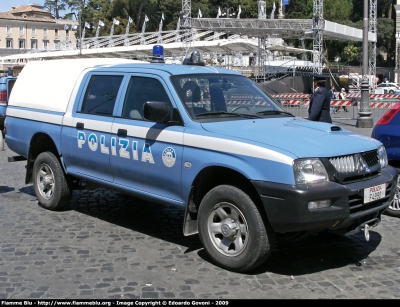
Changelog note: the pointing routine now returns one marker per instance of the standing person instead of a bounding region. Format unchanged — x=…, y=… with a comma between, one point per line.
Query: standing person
x=320, y=101
x=332, y=91
x=342, y=96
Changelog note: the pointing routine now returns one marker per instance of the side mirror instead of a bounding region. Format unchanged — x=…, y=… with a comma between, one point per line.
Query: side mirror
x=156, y=111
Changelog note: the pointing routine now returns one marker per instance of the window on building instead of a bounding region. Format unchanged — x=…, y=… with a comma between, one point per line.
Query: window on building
x=33, y=30
x=8, y=29
x=45, y=30
x=57, y=45
x=21, y=44
x=56, y=32
x=21, y=30
x=34, y=44
x=9, y=43
x=45, y=44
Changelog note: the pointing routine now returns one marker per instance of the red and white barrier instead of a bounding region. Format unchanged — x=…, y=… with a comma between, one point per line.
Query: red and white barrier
x=374, y=96
x=382, y=105
x=343, y=103
x=291, y=96
x=232, y=101
x=237, y=96
x=304, y=102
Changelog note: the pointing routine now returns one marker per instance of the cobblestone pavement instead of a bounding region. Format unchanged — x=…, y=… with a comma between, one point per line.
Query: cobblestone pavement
x=109, y=246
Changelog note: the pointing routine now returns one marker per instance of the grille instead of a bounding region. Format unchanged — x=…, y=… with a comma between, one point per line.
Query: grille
x=371, y=157
x=356, y=164
x=345, y=164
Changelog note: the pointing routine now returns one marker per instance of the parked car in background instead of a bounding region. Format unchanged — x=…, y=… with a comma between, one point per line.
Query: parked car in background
x=387, y=130
x=6, y=85
x=387, y=88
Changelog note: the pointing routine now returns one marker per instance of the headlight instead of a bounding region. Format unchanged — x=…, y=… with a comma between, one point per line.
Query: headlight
x=382, y=156
x=309, y=171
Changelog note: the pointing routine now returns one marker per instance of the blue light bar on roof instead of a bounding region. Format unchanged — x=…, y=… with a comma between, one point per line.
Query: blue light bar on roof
x=158, y=54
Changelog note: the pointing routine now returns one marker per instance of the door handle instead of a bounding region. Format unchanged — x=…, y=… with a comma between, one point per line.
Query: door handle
x=80, y=125
x=122, y=132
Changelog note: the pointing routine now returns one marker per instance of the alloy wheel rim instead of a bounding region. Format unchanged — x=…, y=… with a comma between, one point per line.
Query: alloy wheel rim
x=45, y=181
x=228, y=229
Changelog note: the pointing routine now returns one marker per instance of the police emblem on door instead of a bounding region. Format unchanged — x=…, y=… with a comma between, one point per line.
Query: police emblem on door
x=169, y=157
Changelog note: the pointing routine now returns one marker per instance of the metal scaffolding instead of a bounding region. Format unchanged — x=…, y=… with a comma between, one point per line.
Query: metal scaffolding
x=233, y=32
x=317, y=28
x=372, y=45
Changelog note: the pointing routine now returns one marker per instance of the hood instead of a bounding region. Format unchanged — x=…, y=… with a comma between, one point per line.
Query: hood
x=300, y=137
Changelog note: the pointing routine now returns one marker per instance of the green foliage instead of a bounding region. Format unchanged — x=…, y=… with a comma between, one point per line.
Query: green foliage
x=352, y=53
x=385, y=29
x=337, y=10
x=300, y=9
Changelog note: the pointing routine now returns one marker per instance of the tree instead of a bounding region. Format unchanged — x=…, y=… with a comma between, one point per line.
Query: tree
x=351, y=52
x=55, y=6
x=337, y=10
x=300, y=9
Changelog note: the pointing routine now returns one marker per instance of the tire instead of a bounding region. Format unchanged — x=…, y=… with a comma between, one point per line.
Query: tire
x=394, y=206
x=232, y=230
x=49, y=182
x=391, y=92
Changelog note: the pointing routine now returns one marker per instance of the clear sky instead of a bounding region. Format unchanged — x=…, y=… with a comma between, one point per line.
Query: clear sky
x=5, y=5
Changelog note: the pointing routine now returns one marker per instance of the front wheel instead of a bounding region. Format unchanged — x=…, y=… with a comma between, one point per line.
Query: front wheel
x=49, y=182
x=394, y=207
x=232, y=230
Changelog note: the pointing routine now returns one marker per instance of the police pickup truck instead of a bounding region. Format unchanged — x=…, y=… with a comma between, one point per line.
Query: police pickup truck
x=207, y=139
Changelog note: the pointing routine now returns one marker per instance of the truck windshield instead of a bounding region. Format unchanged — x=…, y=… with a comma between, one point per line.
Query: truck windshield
x=208, y=95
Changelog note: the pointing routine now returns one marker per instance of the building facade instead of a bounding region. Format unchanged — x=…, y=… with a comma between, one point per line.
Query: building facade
x=28, y=28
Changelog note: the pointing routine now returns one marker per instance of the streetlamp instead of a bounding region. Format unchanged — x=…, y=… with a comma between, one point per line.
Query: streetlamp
x=80, y=27
x=365, y=120
x=229, y=12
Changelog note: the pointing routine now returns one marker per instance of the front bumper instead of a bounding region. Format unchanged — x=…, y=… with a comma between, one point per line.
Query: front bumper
x=287, y=210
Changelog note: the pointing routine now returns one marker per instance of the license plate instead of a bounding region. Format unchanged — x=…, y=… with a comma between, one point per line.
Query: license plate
x=374, y=193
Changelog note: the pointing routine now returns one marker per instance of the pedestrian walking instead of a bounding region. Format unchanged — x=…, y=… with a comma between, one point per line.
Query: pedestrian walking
x=332, y=91
x=320, y=101
x=342, y=96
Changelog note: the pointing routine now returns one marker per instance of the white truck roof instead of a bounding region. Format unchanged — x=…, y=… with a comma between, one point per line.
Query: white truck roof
x=48, y=85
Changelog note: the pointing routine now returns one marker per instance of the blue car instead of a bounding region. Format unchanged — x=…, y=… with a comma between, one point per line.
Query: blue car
x=387, y=130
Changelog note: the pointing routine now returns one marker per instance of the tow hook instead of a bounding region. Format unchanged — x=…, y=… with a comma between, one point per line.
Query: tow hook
x=366, y=227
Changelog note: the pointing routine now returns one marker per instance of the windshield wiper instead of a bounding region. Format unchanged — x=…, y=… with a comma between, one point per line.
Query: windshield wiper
x=227, y=113
x=273, y=112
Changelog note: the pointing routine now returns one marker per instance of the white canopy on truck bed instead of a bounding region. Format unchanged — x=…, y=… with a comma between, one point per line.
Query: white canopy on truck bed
x=47, y=85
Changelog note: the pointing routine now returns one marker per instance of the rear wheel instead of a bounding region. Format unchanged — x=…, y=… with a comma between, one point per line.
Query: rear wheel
x=232, y=230
x=49, y=182
x=394, y=207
